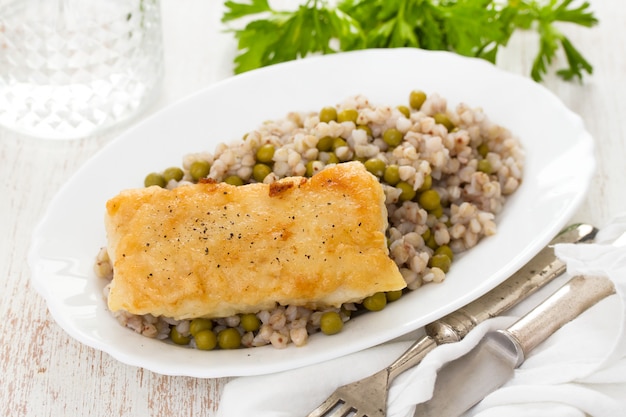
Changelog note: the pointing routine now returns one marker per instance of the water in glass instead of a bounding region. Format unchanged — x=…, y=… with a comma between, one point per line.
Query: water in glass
x=70, y=68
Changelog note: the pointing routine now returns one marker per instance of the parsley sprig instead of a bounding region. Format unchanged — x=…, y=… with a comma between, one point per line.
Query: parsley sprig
x=468, y=27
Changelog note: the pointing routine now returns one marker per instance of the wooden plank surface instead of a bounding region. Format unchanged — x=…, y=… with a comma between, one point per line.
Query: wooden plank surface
x=44, y=372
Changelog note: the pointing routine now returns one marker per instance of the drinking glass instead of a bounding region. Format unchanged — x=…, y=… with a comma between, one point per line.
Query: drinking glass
x=71, y=68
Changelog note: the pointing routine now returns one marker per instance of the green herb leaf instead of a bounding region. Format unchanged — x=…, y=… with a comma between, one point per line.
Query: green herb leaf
x=577, y=63
x=238, y=10
x=256, y=40
x=579, y=15
x=468, y=27
x=471, y=26
x=287, y=35
x=551, y=39
x=548, y=45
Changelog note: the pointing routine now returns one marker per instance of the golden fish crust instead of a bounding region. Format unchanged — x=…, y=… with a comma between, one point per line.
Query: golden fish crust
x=215, y=250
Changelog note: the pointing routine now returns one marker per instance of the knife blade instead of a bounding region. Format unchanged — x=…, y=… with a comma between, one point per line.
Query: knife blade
x=464, y=382
x=538, y=272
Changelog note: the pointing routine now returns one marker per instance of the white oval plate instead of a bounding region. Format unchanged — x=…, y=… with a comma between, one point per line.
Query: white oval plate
x=558, y=170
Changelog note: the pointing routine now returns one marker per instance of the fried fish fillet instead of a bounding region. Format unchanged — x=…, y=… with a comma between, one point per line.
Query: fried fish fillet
x=214, y=250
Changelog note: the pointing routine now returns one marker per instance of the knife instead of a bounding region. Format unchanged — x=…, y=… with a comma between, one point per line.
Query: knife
x=464, y=382
x=539, y=271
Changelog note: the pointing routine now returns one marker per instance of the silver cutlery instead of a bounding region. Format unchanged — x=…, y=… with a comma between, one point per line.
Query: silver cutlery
x=464, y=382
x=368, y=396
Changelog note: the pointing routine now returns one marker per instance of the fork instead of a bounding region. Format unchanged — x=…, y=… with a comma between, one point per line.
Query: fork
x=368, y=396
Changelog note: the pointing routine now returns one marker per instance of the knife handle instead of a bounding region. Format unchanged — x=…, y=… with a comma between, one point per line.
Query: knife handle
x=567, y=303
x=540, y=270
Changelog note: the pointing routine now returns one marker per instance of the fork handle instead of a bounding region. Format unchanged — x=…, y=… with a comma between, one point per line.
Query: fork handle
x=539, y=271
x=411, y=357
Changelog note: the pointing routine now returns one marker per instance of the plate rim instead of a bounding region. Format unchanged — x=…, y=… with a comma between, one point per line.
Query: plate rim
x=36, y=244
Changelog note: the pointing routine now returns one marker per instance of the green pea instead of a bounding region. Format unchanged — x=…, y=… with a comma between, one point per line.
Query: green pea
x=405, y=111
x=347, y=115
x=367, y=129
x=426, y=235
x=407, y=191
x=178, y=338
x=483, y=149
x=440, y=261
x=265, y=153
x=429, y=200
x=332, y=158
x=443, y=119
x=393, y=295
x=199, y=324
x=199, y=169
x=206, y=339
x=338, y=143
x=375, y=302
x=437, y=212
x=154, y=179
x=260, y=171
x=445, y=250
x=392, y=137
x=250, y=322
x=173, y=173
x=431, y=242
x=325, y=144
x=375, y=166
x=392, y=174
x=428, y=182
x=328, y=114
x=309, y=169
x=233, y=180
x=417, y=99
x=484, y=166
x=229, y=338
x=331, y=323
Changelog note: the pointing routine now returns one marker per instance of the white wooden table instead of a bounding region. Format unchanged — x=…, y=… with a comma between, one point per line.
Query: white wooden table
x=44, y=372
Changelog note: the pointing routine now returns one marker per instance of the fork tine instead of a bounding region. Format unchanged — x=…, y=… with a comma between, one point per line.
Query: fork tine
x=343, y=410
x=364, y=398
x=332, y=407
x=325, y=407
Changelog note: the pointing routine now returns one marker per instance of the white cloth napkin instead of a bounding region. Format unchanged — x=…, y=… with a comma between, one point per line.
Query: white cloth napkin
x=578, y=371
